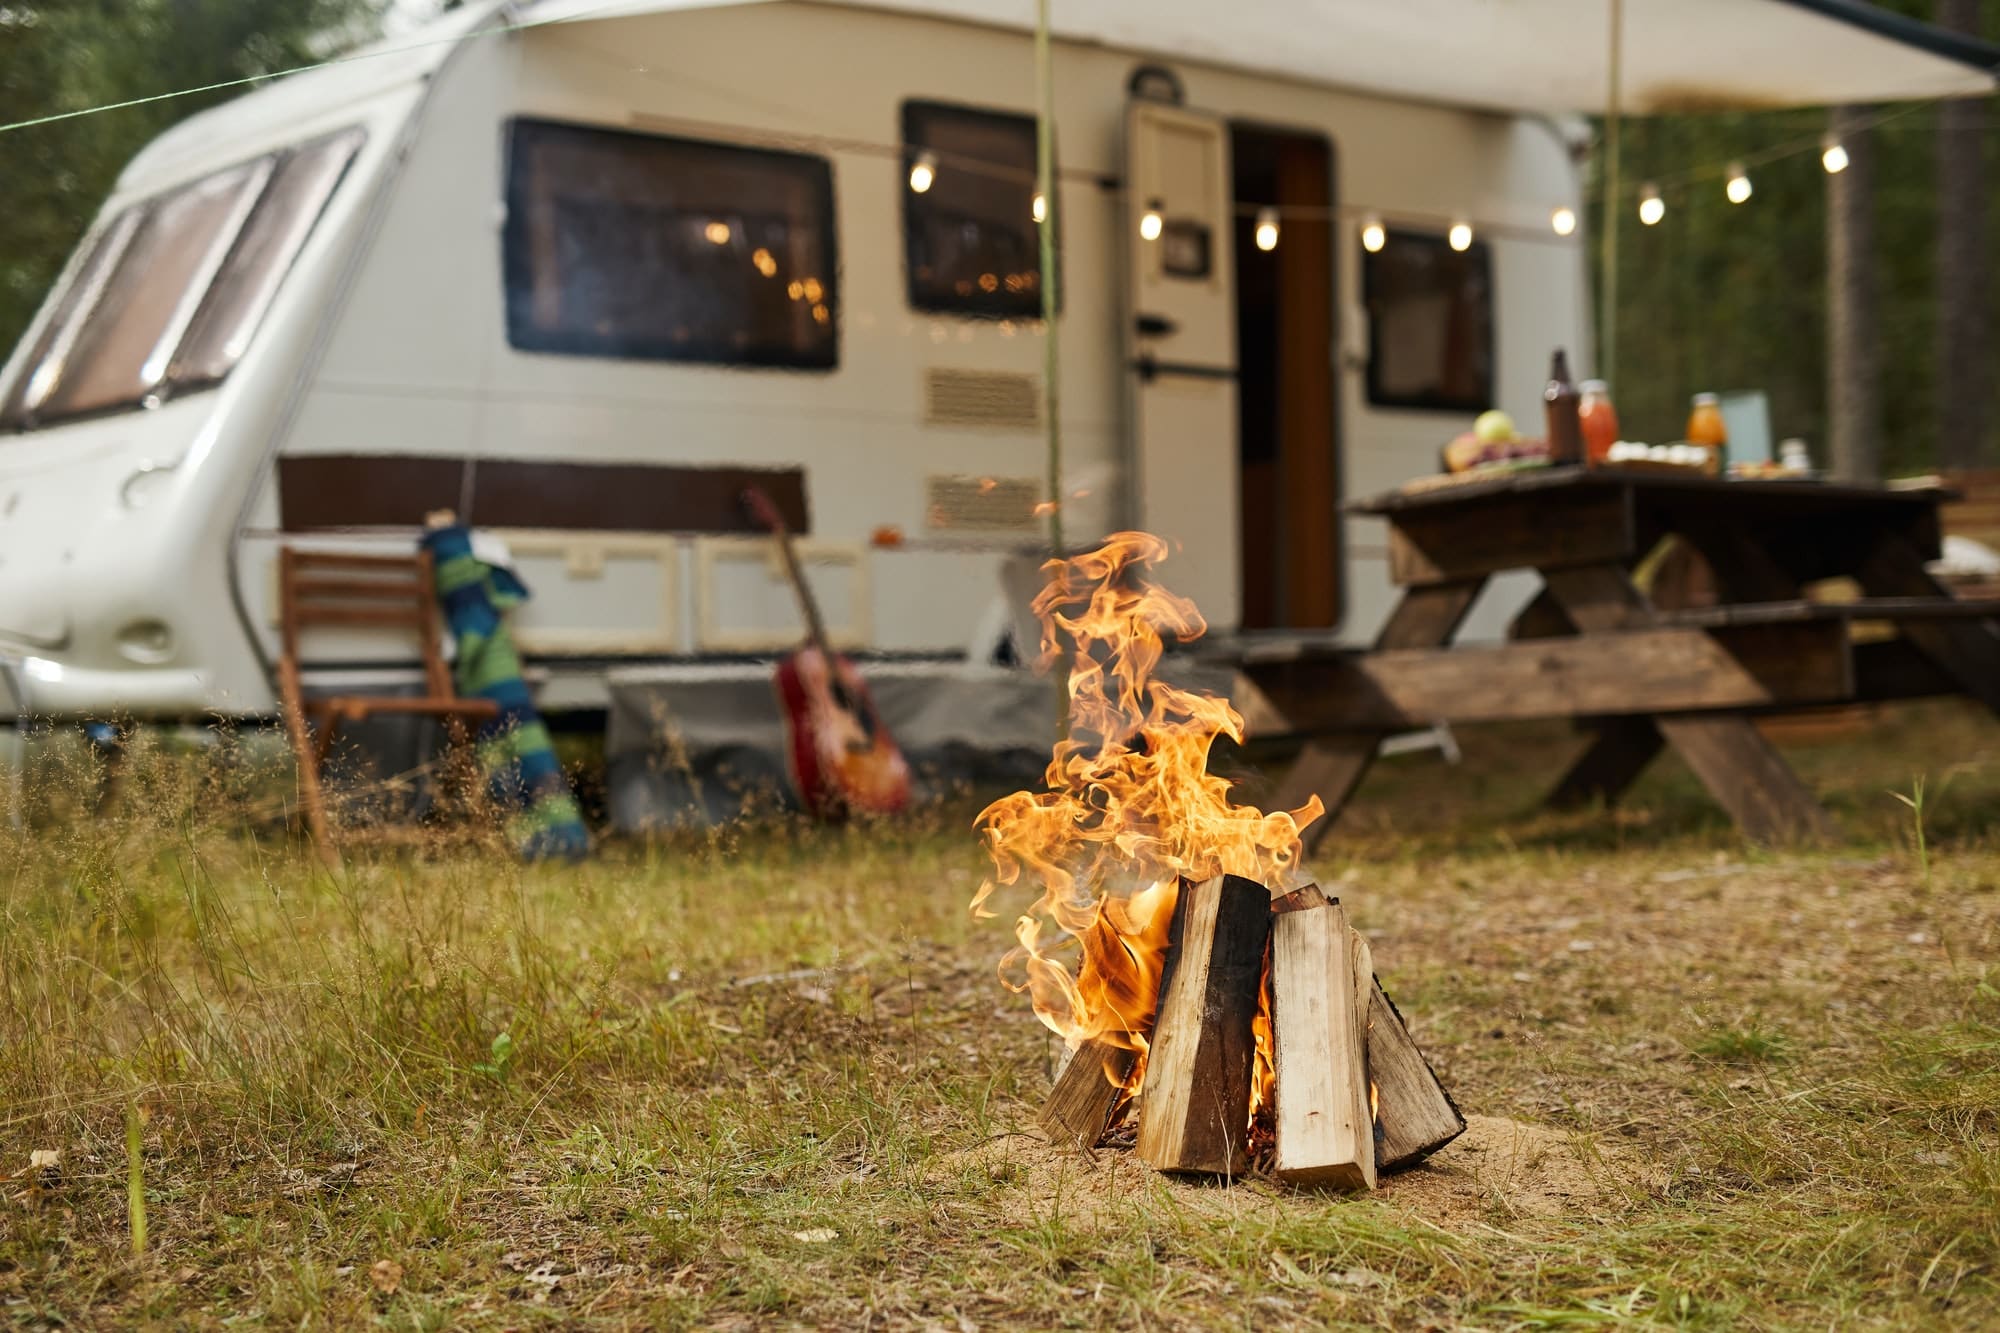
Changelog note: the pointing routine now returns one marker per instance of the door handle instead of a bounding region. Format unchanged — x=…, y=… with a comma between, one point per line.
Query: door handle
x=1156, y=326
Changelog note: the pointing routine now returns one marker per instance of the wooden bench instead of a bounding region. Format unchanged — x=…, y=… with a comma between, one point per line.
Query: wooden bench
x=1897, y=609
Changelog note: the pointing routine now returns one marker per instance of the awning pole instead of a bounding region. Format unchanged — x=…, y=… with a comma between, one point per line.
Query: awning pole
x=1045, y=113
x=1607, y=319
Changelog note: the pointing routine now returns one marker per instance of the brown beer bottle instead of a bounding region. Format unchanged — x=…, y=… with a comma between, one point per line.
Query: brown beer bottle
x=1559, y=401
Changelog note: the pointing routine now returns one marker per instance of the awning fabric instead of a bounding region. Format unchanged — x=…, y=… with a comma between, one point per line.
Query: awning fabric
x=1512, y=55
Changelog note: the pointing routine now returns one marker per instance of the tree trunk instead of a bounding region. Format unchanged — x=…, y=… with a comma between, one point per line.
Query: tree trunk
x=1965, y=335
x=1854, y=348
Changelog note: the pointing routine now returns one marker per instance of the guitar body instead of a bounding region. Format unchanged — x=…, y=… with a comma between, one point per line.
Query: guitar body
x=841, y=757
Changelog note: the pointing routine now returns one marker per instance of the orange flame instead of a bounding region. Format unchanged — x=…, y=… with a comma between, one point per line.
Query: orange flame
x=1130, y=808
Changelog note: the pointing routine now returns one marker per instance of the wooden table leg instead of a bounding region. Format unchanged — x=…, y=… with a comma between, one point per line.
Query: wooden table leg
x=1614, y=761
x=1331, y=767
x=1622, y=747
x=1966, y=650
x=1725, y=750
x=1750, y=778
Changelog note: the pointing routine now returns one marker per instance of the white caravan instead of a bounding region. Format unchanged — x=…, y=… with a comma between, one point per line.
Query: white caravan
x=582, y=271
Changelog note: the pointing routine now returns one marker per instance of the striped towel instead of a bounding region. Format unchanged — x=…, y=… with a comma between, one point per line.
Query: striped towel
x=515, y=754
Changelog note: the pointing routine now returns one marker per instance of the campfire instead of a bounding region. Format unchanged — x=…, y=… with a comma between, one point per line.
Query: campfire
x=1200, y=982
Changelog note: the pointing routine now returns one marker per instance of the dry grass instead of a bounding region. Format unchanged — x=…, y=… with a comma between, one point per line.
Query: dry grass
x=768, y=1079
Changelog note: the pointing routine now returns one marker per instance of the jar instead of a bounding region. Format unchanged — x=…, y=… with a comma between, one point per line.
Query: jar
x=1705, y=428
x=1599, y=420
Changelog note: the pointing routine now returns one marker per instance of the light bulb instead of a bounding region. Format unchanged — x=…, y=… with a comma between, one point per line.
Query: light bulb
x=1738, y=188
x=1460, y=236
x=1563, y=220
x=1833, y=154
x=1267, y=229
x=1152, y=224
x=1651, y=207
x=1041, y=209
x=717, y=232
x=1373, y=237
x=923, y=172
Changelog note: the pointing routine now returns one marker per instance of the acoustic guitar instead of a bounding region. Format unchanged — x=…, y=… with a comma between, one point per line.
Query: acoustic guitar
x=841, y=758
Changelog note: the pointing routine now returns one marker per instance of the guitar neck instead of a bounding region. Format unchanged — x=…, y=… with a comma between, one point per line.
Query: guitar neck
x=815, y=627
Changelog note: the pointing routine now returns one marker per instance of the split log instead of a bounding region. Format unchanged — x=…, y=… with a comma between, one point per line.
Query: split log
x=1090, y=1086
x=1195, y=1112
x=1325, y=1131
x=1415, y=1116
x=1079, y=1107
x=1298, y=900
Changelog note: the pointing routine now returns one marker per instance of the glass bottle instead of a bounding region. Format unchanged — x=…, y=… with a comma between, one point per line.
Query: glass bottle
x=1599, y=421
x=1559, y=401
x=1705, y=428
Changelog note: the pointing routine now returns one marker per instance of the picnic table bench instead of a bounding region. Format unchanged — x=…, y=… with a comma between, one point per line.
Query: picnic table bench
x=1591, y=646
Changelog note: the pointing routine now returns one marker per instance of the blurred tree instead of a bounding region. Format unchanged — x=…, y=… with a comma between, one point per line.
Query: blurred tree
x=1964, y=276
x=69, y=55
x=1723, y=296
x=1854, y=340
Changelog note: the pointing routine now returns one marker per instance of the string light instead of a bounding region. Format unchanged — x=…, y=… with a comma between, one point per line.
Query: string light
x=1563, y=220
x=923, y=172
x=1373, y=237
x=1041, y=209
x=1267, y=229
x=1833, y=154
x=1460, y=235
x=1152, y=224
x=1738, y=188
x=717, y=232
x=1651, y=207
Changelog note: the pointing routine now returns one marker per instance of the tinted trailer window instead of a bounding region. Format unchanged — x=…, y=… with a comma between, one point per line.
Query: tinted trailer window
x=633, y=245
x=173, y=289
x=1430, y=323
x=971, y=244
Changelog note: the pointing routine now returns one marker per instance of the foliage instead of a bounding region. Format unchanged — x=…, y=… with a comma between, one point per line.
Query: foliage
x=1723, y=297
x=61, y=56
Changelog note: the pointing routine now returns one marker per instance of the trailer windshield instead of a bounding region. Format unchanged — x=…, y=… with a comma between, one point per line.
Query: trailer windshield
x=172, y=290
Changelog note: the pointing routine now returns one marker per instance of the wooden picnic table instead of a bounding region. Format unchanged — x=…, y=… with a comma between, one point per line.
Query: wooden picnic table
x=1592, y=647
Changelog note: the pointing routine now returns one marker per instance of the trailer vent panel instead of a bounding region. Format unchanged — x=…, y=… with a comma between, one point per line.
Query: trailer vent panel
x=982, y=504
x=981, y=398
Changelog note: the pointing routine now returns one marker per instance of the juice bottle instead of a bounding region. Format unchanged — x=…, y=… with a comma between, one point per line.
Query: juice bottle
x=1599, y=421
x=1705, y=428
x=1559, y=399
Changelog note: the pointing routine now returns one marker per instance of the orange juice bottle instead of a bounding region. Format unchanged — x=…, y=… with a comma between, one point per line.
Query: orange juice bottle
x=1706, y=429
x=1599, y=420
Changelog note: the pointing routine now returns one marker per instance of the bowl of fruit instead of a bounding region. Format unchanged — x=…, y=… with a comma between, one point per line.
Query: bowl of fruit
x=1493, y=445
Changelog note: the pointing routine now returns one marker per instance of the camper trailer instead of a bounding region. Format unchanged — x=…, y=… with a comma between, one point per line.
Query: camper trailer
x=581, y=271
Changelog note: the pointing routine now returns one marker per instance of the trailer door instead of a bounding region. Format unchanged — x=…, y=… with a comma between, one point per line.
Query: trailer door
x=1180, y=341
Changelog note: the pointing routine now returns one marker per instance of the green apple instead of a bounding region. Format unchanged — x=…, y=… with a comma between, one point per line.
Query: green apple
x=1494, y=427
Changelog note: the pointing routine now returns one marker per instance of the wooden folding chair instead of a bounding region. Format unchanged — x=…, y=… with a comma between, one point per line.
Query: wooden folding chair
x=326, y=589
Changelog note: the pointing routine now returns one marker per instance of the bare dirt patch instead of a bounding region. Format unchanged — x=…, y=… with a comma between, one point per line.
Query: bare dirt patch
x=1519, y=1169
x=1498, y=1167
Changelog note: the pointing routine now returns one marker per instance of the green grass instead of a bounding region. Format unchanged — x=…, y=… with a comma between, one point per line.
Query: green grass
x=768, y=1077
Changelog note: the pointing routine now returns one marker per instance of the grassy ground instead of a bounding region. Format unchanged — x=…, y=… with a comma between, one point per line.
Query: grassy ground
x=768, y=1078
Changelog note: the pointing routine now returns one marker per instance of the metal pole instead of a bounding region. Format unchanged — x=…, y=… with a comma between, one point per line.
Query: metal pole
x=1607, y=319
x=1045, y=114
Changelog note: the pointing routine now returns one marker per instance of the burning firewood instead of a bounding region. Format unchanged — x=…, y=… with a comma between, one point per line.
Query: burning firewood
x=1415, y=1116
x=1325, y=1125
x=1150, y=947
x=1195, y=1113
x=1086, y=1093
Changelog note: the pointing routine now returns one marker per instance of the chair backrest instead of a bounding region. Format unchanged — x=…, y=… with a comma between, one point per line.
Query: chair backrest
x=395, y=592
